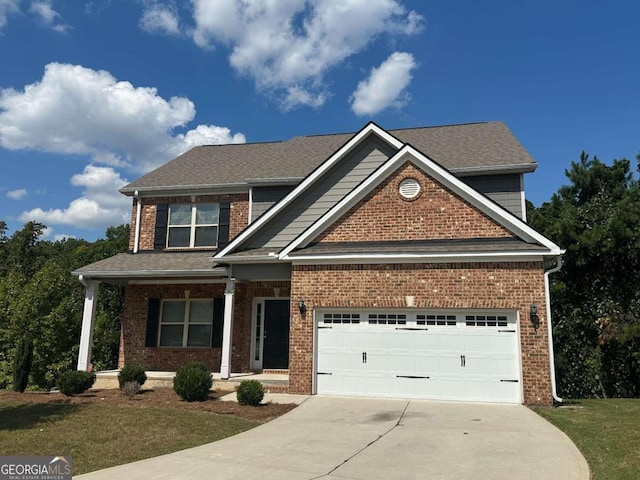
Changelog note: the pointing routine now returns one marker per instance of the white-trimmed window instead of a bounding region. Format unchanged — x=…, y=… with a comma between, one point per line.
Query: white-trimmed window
x=193, y=226
x=186, y=323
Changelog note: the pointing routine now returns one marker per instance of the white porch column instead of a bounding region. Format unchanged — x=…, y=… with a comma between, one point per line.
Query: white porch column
x=227, y=331
x=88, y=321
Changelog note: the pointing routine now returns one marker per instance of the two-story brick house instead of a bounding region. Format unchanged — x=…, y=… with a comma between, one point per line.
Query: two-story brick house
x=382, y=263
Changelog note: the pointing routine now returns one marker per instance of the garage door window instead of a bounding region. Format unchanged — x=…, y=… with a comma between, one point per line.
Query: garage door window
x=436, y=320
x=485, y=321
x=341, y=318
x=387, y=319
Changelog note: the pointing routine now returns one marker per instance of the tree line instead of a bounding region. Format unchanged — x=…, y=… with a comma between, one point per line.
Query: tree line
x=595, y=296
x=41, y=301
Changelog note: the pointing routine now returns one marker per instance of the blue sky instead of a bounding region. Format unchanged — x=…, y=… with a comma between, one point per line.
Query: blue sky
x=96, y=93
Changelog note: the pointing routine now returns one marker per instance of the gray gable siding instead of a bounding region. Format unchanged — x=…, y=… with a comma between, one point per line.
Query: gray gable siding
x=263, y=198
x=323, y=195
x=505, y=190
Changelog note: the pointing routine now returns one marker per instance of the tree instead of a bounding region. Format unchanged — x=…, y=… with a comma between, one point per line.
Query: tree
x=595, y=296
x=24, y=250
x=40, y=297
x=22, y=364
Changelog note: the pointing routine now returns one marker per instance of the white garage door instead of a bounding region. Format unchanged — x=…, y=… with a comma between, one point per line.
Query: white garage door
x=470, y=356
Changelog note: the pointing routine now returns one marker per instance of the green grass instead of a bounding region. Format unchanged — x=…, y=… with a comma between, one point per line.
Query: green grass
x=101, y=436
x=607, y=432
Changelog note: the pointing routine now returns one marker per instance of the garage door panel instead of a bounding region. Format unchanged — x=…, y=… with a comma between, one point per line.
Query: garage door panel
x=449, y=340
x=456, y=360
x=344, y=383
x=451, y=387
x=502, y=342
x=415, y=388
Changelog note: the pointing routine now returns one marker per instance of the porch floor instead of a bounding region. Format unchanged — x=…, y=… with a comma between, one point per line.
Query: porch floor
x=272, y=382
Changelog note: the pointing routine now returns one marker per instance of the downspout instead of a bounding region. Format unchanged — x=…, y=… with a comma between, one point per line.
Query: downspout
x=552, y=362
x=138, y=215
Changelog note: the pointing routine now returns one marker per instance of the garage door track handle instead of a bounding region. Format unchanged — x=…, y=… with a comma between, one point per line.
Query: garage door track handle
x=463, y=361
x=364, y=357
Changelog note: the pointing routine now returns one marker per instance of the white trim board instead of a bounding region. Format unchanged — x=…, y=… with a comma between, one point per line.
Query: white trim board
x=417, y=258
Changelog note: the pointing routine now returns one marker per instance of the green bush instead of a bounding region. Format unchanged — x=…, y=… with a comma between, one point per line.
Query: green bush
x=74, y=382
x=133, y=372
x=130, y=390
x=193, y=382
x=250, y=392
x=22, y=364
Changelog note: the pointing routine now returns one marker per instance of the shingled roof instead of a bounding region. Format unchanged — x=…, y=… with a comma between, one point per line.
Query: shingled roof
x=462, y=149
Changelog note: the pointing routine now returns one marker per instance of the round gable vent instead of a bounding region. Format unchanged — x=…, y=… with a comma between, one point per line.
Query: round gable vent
x=409, y=188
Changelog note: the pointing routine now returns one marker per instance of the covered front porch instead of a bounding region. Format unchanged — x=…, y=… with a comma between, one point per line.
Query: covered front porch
x=182, y=307
x=273, y=381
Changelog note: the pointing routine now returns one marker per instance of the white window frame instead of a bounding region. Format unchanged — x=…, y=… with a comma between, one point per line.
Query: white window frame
x=193, y=225
x=185, y=321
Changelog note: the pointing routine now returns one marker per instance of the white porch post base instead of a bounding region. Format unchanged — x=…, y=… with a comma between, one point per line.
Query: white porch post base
x=227, y=332
x=88, y=322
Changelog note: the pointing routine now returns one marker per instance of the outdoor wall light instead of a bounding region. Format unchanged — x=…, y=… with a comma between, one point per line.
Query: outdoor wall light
x=533, y=316
x=301, y=306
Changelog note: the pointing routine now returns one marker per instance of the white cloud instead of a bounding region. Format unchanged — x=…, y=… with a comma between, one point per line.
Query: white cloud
x=158, y=18
x=288, y=47
x=7, y=7
x=17, y=194
x=62, y=236
x=299, y=96
x=75, y=110
x=385, y=85
x=99, y=206
x=210, y=134
x=47, y=15
x=80, y=111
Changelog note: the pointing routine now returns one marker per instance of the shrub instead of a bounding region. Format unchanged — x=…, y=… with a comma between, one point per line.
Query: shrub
x=193, y=382
x=130, y=389
x=133, y=372
x=250, y=392
x=22, y=364
x=74, y=382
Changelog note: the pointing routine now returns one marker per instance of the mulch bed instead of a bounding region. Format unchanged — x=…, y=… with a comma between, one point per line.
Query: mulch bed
x=154, y=398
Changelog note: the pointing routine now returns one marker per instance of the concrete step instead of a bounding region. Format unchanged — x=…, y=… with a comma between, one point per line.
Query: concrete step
x=272, y=382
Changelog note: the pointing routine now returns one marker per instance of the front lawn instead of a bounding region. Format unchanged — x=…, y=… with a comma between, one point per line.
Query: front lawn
x=104, y=429
x=607, y=432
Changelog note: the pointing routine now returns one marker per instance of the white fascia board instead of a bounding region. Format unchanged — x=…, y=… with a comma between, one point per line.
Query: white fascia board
x=370, y=128
x=151, y=273
x=419, y=258
x=440, y=174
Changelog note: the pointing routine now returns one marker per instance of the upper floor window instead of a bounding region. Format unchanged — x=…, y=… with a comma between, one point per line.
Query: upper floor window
x=192, y=226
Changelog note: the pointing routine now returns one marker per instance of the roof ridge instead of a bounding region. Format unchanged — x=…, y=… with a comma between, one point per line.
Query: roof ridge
x=239, y=144
x=408, y=128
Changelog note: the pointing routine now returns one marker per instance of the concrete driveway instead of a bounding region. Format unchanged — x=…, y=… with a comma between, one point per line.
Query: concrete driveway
x=362, y=438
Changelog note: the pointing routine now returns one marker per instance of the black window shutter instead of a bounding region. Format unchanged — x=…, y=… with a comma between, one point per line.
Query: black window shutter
x=153, y=320
x=162, y=218
x=218, y=322
x=223, y=224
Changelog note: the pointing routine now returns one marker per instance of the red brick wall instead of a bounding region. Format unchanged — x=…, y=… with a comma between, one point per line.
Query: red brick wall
x=467, y=285
x=134, y=325
x=437, y=213
x=239, y=215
